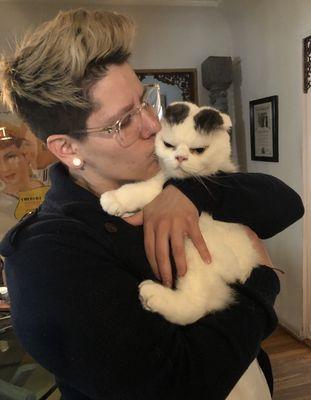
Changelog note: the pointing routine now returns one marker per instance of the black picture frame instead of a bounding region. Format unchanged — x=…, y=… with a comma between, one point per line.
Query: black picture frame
x=264, y=116
x=183, y=80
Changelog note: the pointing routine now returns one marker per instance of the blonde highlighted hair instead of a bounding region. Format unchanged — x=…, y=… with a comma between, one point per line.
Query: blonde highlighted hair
x=54, y=67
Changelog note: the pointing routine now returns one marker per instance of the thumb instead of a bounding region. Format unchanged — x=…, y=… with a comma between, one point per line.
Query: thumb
x=136, y=219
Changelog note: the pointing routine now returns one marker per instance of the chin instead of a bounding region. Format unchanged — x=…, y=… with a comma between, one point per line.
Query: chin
x=148, y=173
x=174, y=171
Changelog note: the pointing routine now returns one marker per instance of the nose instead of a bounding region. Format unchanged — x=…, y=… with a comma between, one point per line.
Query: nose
x=151, y=124
x=181, y=158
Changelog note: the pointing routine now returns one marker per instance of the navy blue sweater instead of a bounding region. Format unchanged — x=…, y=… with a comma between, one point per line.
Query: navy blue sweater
x=73, y=273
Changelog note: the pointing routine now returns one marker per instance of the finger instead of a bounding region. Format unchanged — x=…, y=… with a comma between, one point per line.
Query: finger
x=163, y=258
x=178, y=250
x=136, y=219
x=149, y=242
x=199, y=243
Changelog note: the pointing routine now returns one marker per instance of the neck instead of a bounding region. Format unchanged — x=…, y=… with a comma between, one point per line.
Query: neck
x=95, y=186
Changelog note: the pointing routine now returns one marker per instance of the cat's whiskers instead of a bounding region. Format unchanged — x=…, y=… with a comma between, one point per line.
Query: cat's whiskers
x=216, y=181
x=198, y=174
x=200, y=180
x=193, y=170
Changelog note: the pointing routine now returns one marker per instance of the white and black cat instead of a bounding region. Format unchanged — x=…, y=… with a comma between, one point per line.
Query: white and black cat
x=194, y=141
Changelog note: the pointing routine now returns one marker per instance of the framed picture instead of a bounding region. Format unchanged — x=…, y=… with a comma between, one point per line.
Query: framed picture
x=175, y=84
x=24, y=182
x=264, y=129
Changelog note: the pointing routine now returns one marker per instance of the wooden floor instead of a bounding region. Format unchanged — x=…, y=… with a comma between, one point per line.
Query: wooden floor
x=291, y=363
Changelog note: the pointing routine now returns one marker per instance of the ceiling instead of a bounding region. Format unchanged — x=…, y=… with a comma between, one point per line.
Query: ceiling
x=189, y=3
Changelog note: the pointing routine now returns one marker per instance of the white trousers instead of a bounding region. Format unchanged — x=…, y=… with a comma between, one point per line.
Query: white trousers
x=251, y=386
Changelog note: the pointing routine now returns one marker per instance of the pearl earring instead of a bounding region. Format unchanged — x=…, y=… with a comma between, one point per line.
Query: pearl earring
x=77, y=162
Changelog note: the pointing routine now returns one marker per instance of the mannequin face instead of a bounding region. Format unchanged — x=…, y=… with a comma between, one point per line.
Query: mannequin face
x=13, y=167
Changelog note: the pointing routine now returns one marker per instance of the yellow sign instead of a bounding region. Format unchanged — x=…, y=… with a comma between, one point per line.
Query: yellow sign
x=29, y=200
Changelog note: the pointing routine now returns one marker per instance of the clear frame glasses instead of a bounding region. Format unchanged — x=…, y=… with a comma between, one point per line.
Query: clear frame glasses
x=124, y=130
x=4, y=134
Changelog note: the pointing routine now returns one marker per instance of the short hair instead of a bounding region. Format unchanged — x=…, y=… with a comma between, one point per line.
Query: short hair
x=47, y=81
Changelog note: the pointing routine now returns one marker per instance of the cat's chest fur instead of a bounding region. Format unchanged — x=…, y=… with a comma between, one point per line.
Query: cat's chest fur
x=232, y=252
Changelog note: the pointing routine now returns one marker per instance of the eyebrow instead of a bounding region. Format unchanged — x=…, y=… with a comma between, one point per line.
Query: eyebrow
x=114, y=118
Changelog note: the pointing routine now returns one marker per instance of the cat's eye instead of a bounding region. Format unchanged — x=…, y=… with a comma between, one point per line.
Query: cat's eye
x=199, y=150
x=169, y=145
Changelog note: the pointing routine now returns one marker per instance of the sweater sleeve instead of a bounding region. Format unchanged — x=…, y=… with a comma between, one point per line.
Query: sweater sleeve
x=77, y=312
x=262, y=202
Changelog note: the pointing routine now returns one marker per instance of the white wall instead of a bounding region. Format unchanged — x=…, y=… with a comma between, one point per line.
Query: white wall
x=267, y=36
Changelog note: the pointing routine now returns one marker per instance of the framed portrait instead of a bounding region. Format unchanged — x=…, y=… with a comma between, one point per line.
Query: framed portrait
x=24, y=166
x=175, y=84
x=264, y=129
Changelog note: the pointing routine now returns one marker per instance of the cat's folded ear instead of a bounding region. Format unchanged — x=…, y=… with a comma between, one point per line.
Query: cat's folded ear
x=227, y=124
x=176, y=112
x=209, y=119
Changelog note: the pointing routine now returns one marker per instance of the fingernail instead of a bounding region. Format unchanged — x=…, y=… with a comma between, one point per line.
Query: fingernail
x=167, y=283
x=208, y=260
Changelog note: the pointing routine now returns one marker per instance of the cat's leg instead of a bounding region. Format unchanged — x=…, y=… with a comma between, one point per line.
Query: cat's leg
x=133, y=196
x=167, y=302
x=193, y=298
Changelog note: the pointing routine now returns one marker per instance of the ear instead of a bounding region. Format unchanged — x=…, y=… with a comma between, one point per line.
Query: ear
x=64, y=148
x=209, y=119
x=176, y=113
x=227, y=124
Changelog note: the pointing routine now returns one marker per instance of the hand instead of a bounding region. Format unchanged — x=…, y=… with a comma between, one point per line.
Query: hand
x=168, y=220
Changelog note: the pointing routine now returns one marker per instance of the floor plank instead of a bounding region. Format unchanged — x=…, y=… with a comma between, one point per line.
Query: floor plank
x=291, y=363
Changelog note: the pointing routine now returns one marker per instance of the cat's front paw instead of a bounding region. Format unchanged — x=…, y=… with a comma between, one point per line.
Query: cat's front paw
x=153, y=296
x=111, y=204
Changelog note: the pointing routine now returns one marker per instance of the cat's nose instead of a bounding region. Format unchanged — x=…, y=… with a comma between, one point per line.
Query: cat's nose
x=181, y=158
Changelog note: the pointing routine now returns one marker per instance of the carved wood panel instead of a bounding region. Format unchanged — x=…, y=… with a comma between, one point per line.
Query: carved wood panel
x=307, y=63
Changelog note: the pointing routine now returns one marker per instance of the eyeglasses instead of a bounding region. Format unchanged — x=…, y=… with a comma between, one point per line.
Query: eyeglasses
x=123, y=129
x=4, y=134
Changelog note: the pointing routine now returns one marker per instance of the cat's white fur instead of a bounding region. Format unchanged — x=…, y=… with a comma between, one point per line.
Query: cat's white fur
x=204, y=288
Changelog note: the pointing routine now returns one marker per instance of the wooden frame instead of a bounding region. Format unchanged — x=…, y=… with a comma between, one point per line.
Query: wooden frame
x=264, y=129
x=175, y=84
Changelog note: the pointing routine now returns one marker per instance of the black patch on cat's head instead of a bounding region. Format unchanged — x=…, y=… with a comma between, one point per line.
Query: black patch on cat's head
x=176, y=113
x=207, y=120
